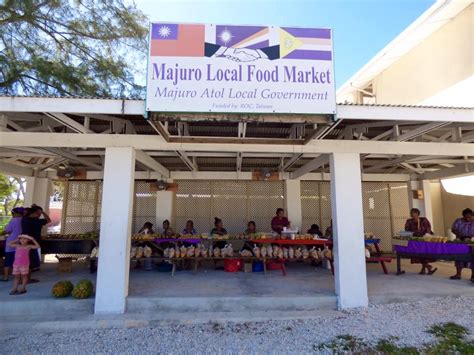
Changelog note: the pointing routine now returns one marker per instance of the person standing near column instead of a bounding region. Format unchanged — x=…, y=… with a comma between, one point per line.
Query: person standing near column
x=13, y=230
x=463, y=228
x=32, y=225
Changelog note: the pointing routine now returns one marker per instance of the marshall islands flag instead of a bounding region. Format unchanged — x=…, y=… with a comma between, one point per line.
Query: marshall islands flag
x=198, y=40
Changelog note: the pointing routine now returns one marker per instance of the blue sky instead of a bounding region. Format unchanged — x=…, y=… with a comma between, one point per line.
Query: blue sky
x=361, y=27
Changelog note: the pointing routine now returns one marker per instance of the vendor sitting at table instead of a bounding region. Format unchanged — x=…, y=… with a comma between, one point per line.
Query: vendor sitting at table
x=218, y=230
x=420, y=226
x=279, y=222
x=314, y=230
x=189, y=229
x=167, y=230
x=249, y=232
x=251, y=228
x=147, y=228
x=463, y=228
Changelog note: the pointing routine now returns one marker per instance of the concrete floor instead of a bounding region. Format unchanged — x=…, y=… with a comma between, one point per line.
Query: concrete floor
x=304, y=287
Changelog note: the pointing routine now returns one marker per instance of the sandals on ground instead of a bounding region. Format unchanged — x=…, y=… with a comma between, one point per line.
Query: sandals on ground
x=13, y=293
x=455, y=277
x=432, y=271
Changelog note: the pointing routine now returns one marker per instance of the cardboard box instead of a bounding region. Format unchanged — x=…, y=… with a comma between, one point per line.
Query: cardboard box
x=247, y=267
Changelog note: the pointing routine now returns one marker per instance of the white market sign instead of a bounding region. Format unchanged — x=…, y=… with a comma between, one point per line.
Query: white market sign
x=255, y=69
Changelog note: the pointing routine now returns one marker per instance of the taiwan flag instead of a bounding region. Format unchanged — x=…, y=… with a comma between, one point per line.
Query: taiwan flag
x=175, y=40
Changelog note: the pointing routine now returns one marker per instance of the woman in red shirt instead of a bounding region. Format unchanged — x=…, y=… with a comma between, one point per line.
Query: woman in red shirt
x=280, y=221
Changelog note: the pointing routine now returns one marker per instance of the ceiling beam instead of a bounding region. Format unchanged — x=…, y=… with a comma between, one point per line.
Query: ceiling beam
x=416, y=132
x=68, y=122
x=129, y=127
x=151, y=163
x=387, y=163
x=310, y=166
x=189, y=163
x=322, y=132
x=13, y=169
x=460, y=170
x=291, y=161
x=65, y=154
x=153, y=142
x=242, y=117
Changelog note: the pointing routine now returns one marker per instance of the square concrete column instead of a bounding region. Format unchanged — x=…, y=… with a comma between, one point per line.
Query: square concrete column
x=38, y=190
x=423, y=204
x=164, y=209
x=348, y=230
x=293, y=203
x=115, y=231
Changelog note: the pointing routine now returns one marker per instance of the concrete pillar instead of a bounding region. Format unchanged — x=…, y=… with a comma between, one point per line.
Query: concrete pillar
x=293, y=203
x=115, y=231
x=424, y=204
x=348, y=230
x=38, y=191
x=164, y=208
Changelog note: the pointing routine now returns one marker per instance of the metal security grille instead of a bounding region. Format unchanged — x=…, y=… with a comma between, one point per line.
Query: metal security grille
x=235, y=202
x=316, y=204
x=80, y=206
x=144, y=208
x=193, y=201
x=375, y=197
x=83, y=202
x=385, y=207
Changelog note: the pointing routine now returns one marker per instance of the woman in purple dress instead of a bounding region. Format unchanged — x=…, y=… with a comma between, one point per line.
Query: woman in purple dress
x=420, y=226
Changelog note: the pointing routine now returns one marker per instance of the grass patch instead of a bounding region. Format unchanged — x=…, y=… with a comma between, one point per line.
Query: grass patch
x=450, y=339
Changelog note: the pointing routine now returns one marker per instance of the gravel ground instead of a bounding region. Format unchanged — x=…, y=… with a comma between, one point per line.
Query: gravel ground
x=407, y=321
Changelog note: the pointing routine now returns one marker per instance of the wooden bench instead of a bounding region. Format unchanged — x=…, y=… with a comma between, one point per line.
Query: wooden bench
x=380, y=259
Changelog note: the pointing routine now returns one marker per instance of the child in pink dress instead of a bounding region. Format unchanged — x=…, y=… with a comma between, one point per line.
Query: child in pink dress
x=21, y=265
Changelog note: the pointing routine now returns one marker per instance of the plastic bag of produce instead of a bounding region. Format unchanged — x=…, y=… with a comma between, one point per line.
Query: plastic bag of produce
x=256, y=251
x=171, y=253
x=183, y=251
x=285, y=253
x=245, y=253
x=95, y=252
x=269, y=251
x=139, y=253
x=291, y=252
x=263, y=252
x=280, y=253
x=276, y=250
x=166, y=252
x=216, y=252
x=298, y=253
x=314, y=253
x=305, y=254
x=147, y=252
x=191, y=251
x=327, y=253
x=197, y=251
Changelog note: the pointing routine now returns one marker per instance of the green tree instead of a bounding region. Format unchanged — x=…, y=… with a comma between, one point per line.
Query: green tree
x=12, y=192
x=72, y=47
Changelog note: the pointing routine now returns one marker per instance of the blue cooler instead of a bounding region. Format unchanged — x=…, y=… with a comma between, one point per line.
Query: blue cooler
x=257, y=266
